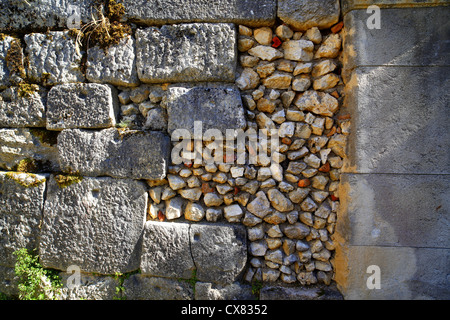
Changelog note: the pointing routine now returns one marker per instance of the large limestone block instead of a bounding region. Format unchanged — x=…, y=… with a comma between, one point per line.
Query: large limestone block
x=219, y=252
x=82, y=105
x=21, y=205
x=396, y=210
x=115, y=65
x=23, y=107
x=43, y=14
x=186, y=53
x=166, y=250
x=95, y=223
x=406, y=38
x=141, y=287
x=53, y=58
x=248, y=12
x=217, y=106
x=399, y=120
x=36, y=145
x=305, y=14
x=120, y=154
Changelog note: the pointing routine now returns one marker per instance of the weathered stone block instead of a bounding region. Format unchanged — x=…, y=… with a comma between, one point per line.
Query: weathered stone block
x=400, y=115
x=92, y=287
x=11, y=62
x=43, y=14
x=219, y=252
x=217, y=106
x=305, y=14
x=36, y=145
x=120, y=154
x=397, y=210
x=166, y=250
x=349, y=5
x=23, y=107
x=141, y=287
x=116, y=65
x=82, y=105
x=95, y=223
x=53, y=58
x=234, y=291
x=248, y=12
x=21, y=205
x=186, y=53
x=414, y=41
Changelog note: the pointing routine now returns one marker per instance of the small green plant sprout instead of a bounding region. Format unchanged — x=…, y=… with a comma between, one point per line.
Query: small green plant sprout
x=35, y=282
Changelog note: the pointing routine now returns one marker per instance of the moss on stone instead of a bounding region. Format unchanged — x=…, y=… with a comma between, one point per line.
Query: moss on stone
x=27, y=165
x=45, y=136
x=27, y=180
x=14, y=59
x=65, y=180
x=26, y=89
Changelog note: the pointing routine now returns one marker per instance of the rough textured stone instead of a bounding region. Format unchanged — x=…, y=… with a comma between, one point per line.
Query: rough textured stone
x=141, y=287
x=7, y=76
x=300, y=293
x=18, y=109
x=298, y=50
x=129, y=154
x=82, y=105
x=21, y=205
x=37, y=145
x=116, y=65
x=304, y=14
x=279, y=201
x=95, y=223
x=42, y=14
x=247, y=12
x=166, y=250
x=218, y=106
x=53, y=58
x=191, y=52
x=234, y=291
x=420, y=133
x=219, y=251
x=318, y=102
x=266, y=53
x=91, y=288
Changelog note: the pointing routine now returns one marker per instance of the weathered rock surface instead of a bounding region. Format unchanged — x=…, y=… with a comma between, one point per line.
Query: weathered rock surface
x=9, y=76
x=21, y=205
x=305, y=14
x=186, y=53
x=22, y=109
x=318, y=102
x=116, y=65
x=166, y=250
x=126, y=154
x=248, y=12
x=141, y=287
x=95, y=223
x=217, y=106
x=53, y=58
x=37, y=145
x=82, y=105
x=219, y=251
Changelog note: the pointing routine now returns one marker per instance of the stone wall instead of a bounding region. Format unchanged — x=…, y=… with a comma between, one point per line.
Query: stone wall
x=199, y=150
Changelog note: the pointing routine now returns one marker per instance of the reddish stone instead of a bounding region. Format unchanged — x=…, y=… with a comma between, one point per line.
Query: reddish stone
x=276, y=42
x=337, y=27
x=325, y=168
x=206, y=188
x=286, y=140
x=334, y=198
x=304, y=183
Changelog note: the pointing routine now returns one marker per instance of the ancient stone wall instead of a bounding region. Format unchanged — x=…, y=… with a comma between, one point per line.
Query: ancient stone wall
x=201, y=150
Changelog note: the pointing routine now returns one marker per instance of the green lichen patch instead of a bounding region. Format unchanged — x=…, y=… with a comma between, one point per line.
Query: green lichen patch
x=65, y=180
x=26, y=89
x=27, y=165
x=27, y=180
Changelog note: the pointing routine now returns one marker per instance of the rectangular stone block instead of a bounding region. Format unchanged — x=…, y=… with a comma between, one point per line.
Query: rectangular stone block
x=111, y=152
x=399, y=120
x=407, y=37
x=37, y=146
x=116, y=65
x=53, y=58
x=348, y=5
x=186, y=53
x=219, y=252
x=82, y=105
x=166, y=250
x=141, y=287
x=93, y=223
x=396, y=210
x=217, y=106
x=21, y=205
x=23, y=106
x=248, y=12
x=405, y=273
